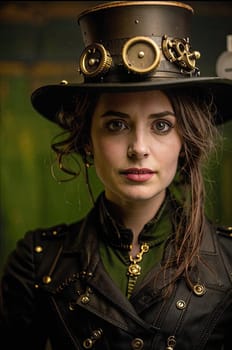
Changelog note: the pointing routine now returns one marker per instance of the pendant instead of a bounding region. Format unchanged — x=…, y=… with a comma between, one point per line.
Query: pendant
x=134, y=269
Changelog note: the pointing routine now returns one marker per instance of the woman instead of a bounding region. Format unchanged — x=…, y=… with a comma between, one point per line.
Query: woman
x=145, y=269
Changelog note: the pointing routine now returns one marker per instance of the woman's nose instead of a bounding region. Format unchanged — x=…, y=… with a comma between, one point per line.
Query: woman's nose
x=138, y=147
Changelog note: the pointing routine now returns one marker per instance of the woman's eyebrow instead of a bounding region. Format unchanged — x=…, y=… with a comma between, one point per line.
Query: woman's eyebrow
x=111, y=113
x=162, y=114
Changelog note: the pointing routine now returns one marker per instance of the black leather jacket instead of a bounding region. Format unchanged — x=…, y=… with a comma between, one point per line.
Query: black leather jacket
x=55, y=286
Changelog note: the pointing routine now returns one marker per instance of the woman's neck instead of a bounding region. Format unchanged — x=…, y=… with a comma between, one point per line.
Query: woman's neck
x=134, y=215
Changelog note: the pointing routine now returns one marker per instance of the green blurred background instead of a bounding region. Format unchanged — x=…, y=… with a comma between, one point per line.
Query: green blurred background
x=40, y=44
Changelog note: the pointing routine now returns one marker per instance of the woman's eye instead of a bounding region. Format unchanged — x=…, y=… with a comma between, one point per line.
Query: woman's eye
x=162, y=126
x=116, y=125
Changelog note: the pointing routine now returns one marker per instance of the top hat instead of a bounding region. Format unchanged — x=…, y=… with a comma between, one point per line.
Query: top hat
x=135, y=46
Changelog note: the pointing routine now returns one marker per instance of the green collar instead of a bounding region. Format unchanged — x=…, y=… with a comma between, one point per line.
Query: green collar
x=121, y=237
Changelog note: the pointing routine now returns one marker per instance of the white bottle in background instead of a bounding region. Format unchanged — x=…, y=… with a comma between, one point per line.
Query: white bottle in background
x=224, y=61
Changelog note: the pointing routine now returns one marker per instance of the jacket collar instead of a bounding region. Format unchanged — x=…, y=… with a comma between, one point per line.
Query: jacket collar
x=121, y=237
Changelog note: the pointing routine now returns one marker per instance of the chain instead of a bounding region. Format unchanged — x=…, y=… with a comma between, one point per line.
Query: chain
x=134, y=269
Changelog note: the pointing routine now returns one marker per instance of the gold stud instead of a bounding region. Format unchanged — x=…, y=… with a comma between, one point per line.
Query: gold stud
x=199, y=289
x=88, y=343
x=181, y=304
x=85, y=299
x=38, y=249
x=71, y=307
x=137, y=344
x=47, y=279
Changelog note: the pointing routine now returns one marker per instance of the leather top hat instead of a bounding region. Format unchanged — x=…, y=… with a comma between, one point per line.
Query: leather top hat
x=135, y=46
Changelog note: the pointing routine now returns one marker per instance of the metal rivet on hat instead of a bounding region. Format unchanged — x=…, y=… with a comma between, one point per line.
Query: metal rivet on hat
x=92, y=61
x=199, y=289
x=38, y=249
x=181, y=304
x=64, y=82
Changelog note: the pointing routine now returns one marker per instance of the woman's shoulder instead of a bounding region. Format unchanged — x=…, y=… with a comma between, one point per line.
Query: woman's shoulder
x=53, y=233
x=35, y=242
x=216, y=257
x=62, y=231
x=218, y=235
x=41, y=246
x=224, y=238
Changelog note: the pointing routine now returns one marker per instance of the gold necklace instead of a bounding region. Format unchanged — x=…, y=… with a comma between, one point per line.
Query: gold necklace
x=134, y=269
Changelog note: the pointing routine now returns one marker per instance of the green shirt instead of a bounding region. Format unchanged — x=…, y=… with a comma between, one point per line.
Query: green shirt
x=115, y=245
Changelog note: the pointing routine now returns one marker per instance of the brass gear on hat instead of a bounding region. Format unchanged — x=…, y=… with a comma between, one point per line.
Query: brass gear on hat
x=141, y=55
x=95, y=60
x=178, y=51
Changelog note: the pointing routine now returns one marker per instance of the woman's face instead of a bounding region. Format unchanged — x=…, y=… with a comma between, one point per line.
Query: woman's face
x=135, y=145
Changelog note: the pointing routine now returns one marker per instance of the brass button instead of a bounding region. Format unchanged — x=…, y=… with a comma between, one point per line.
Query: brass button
x=47, y=279
x=137, y=344
x=85, y=299
x=71, y=306
x=38, y=249
x=181, y=304
x=199, y=289
x=97, y=333
x=88, y=343
x=171, y=343
x=230, y=231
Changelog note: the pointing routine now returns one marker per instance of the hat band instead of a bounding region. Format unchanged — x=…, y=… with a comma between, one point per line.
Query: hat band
x=138, y=58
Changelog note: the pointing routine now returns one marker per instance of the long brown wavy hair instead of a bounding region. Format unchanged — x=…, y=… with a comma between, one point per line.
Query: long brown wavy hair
x=195, y=114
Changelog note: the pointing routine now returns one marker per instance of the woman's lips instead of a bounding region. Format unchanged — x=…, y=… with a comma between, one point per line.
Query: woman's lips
x=138, y=174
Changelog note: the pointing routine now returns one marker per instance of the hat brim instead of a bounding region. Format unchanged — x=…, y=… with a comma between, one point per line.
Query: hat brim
x=48, y=100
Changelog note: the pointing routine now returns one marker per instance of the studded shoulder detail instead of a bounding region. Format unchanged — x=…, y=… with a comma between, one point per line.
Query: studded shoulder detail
x=225, y=231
